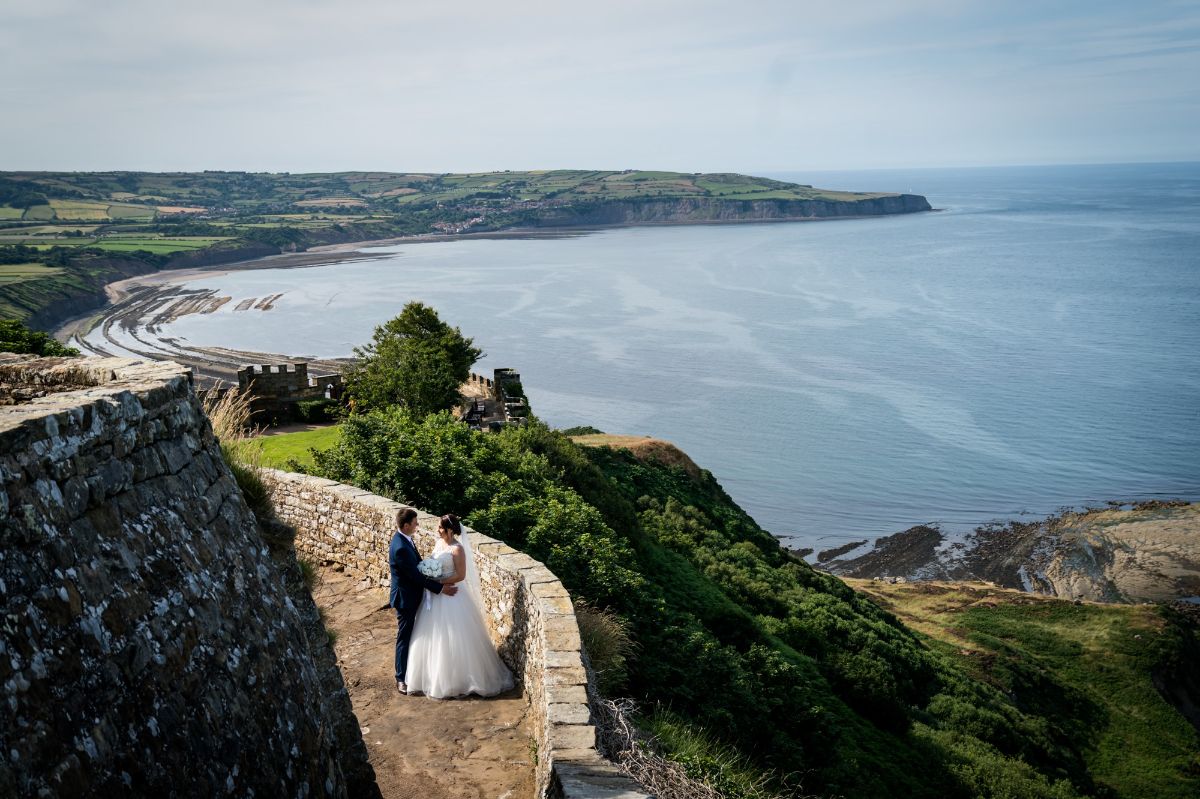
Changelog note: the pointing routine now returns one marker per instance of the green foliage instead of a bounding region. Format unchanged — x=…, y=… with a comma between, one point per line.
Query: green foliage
x=316, y=410
x=415, y=360
x=15, y=337
x=582, y=430
x=746, y=650
x=435, y=462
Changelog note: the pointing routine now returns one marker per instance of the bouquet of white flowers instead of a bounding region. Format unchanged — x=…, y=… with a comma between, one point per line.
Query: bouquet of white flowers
x=431, y=568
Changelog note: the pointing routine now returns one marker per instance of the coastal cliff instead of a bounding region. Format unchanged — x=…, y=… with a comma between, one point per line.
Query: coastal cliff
x=75, y=232
x=692, y=210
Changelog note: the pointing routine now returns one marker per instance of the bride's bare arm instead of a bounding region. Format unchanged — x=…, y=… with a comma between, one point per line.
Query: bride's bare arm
x=460, y=566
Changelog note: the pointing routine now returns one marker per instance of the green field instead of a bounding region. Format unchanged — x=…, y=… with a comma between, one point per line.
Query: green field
x=119, y=212
x=160, y=244
x=79, y=211
x=7, y=212
x=277, y=450
x=39, y=212
x=18, y=273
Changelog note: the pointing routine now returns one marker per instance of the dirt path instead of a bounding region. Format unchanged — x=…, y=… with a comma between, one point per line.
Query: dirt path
x=422, y=748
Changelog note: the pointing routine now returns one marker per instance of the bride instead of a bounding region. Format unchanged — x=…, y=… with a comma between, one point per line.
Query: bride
x=451, y=653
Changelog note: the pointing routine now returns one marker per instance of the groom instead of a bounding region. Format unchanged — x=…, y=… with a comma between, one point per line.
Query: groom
x=407, y=586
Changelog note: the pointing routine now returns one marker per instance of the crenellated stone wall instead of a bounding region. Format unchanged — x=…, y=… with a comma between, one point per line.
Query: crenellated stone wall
x=529, y=613
x=149, y=646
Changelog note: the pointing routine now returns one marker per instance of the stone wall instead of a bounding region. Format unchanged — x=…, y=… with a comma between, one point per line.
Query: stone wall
x=148, y=643
x=529, y=613
x=276, y=388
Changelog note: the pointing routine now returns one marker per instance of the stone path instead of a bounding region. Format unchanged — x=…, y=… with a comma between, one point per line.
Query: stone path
x=453, y=749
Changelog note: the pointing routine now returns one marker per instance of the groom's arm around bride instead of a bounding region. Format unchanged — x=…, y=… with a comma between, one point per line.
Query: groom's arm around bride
x=408, y=586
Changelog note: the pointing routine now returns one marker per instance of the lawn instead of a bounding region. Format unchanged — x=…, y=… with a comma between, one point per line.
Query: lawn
x=277, y=450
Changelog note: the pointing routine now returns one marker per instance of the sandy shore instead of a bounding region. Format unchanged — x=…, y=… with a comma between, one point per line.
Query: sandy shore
x=138, y=307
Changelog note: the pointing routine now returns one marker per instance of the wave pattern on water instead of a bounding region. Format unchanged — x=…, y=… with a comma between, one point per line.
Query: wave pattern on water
x=1029, y=347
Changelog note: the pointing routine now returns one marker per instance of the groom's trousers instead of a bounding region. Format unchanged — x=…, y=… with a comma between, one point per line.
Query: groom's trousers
x=404, y=627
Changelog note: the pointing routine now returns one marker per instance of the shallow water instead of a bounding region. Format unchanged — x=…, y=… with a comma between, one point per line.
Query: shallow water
x=1031, y=346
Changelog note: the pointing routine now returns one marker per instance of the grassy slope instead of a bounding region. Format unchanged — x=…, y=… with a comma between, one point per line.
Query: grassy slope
x=1081, y=674
x=1091, y=661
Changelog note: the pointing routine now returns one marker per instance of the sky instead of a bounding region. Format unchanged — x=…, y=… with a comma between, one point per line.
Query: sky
x=749, y=86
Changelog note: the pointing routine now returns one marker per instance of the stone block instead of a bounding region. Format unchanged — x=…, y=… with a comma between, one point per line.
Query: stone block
x=565, y=694
x=556, y=605
x=548, y=588
x=562, y=659
x=572, y=736
x=573, y=713
x=565, y=675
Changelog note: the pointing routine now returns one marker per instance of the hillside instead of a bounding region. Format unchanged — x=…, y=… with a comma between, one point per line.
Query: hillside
x=750, y=665
x=64, y=234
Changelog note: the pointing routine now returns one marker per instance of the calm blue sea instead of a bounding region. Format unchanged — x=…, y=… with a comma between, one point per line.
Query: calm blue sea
x=1032, y=345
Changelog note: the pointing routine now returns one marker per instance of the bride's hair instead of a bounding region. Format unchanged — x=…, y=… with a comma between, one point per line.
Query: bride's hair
x=451, y=523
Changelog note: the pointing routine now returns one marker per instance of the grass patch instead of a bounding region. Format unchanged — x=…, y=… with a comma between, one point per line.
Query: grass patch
x=7, y=212
x=18, y=273
x=153, y=244
x=608, y=643
x=278, y=451
x=79, y=210
x=39, y=212
x=1089, y=662
x=125, y=212
x=706, y=759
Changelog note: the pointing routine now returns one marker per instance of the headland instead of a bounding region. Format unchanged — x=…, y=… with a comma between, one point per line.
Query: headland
x=65, y=235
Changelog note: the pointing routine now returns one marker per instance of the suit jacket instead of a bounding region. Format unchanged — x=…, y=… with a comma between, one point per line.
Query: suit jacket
x=407, y=582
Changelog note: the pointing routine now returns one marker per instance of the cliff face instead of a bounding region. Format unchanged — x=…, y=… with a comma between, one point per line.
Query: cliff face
x=149, y=645
x=53, y=299
x=706, y=209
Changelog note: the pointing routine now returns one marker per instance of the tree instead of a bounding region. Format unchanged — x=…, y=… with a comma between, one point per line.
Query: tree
x=15, y=337
x=415, y=360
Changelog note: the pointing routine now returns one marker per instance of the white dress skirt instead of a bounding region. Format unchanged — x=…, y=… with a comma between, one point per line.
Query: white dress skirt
x=451, y=653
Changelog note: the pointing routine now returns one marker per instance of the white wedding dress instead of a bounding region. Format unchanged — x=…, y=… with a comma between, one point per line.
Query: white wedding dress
x=451, y=653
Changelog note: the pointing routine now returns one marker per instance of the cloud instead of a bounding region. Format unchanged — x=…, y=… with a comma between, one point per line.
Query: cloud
x=672, y=84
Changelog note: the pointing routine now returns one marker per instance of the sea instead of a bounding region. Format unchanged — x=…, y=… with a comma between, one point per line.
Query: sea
x=1030, y=346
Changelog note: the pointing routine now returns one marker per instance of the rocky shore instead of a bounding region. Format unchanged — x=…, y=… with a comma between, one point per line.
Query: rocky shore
x=1147, y=552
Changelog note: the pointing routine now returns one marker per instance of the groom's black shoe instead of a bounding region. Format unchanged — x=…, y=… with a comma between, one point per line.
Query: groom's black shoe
x=401, y=687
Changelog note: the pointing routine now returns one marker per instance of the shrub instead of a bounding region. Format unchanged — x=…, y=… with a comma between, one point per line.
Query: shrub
x=316, y=410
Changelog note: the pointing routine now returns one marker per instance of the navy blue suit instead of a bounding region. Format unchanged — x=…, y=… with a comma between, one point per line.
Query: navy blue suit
x=408, y=586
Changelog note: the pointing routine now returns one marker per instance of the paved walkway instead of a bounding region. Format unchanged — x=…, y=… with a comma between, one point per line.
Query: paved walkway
x=422, y=748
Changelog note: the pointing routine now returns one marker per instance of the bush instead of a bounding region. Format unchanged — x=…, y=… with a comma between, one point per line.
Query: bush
x=582, y=430
x=316, y=411
x=15, y=337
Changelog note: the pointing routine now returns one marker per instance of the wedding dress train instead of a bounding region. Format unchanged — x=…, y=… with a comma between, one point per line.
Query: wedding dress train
x=451, y=653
